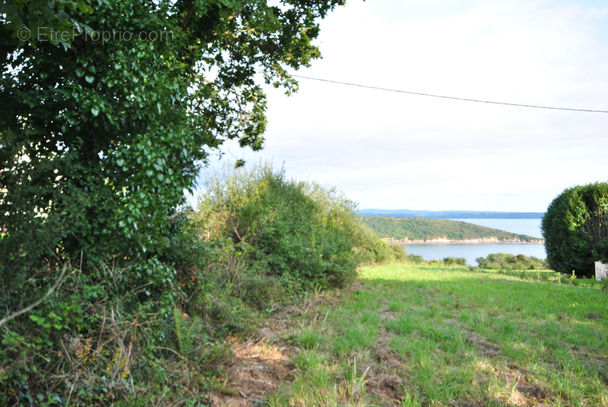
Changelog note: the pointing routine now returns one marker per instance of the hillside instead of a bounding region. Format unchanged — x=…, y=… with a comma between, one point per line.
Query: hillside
x=427, y=229
x=408, y=213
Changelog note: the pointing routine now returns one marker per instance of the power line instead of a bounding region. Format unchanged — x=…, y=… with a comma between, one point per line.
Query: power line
x=493, y=102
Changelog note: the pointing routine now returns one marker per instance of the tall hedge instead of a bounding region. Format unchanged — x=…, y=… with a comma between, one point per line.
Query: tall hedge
x=575, y=229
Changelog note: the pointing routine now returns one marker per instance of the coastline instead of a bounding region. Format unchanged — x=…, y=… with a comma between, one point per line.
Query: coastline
x=484, y=240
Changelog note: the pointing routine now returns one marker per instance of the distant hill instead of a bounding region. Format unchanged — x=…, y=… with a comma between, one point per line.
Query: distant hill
x=407, y=213
x=432, y=229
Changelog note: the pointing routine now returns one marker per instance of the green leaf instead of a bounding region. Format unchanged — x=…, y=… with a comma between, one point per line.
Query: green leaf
x=89, y=78
x=95, y=111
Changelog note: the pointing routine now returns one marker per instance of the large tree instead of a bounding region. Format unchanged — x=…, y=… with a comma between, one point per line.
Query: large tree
x=110, y=107
x=575, y=228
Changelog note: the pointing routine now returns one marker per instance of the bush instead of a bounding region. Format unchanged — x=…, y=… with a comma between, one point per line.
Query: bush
x=414, y=258
x=109, y=333
x=289, y=230
x=455, y=261
x=505, y=261
x=369, y=248
x=575, y=229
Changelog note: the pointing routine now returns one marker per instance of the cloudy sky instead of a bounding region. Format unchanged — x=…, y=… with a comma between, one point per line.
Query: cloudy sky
x=390, y=150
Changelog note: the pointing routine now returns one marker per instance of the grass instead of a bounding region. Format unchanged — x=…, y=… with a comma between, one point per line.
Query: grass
x=436, y=336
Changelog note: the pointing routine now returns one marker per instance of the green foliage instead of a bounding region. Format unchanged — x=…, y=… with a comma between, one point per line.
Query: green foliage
x=423, y=229
x=455, y=261
x=575, y=228
x=112, y=333
x=292, y=231
x=415, y=259
x=371, y=249
x=44, y=18
x=99, y=138
x=101, y=133
x=505, y=261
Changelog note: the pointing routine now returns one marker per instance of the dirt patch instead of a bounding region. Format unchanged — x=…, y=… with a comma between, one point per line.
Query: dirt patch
x=467, y=403
x=388, y=359
x=525, y=392
x=486, y=348
x=263, y=362
x=387, y=387
x=256, y=370
x=594, y=315
x=521, y=388
x=386, y=378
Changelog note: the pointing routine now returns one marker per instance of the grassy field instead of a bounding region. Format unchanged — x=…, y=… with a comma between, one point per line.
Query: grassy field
x=432, y=336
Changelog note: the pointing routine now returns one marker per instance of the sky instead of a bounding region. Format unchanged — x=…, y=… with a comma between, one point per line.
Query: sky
x=397, y=151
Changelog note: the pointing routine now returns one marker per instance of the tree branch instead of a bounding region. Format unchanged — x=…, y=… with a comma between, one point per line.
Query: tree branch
x=35, y=304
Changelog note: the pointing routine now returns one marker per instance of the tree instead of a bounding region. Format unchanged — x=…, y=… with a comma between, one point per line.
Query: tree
x=111, y=107
x=575, y=229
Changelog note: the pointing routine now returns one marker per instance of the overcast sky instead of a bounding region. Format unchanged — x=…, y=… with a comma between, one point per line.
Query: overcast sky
x=389, y=150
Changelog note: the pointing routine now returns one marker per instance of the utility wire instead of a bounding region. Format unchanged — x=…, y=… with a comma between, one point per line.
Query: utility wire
x=493, y=102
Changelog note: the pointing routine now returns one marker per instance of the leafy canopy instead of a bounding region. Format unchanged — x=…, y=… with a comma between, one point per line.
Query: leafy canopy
x=103, y=128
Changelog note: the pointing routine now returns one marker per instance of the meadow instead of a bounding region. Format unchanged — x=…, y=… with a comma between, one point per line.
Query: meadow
x=420, y=335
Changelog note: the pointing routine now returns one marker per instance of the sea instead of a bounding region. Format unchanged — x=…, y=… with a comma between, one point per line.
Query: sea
x=471, y=252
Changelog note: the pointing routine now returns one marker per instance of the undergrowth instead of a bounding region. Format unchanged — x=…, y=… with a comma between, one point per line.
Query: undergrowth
x=137, y=331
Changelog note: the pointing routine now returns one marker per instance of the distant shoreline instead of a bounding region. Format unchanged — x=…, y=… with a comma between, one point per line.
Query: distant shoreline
x=451, y=215
x=485, y=240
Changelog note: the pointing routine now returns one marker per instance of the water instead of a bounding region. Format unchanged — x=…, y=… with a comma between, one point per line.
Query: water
x=472, y=251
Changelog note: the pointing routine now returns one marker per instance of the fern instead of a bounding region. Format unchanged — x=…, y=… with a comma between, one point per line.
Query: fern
x=183, y=331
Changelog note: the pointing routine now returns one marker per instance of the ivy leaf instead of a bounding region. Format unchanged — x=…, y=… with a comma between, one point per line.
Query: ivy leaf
x=89, y=79
x=95, y=111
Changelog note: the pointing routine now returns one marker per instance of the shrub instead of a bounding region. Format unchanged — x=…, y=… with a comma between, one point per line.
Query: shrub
x=455, y=261
x=505, y=261
x=289, y=230
x=414, y=258
x=369, y=248
x=575, y=229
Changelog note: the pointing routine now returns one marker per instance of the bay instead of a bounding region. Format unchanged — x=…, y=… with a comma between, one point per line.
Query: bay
x=470, y=252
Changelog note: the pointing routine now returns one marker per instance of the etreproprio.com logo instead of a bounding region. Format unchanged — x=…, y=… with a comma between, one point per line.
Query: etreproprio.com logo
x=47, y=34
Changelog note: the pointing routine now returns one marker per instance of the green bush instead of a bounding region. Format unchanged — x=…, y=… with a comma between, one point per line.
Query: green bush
x=505, y=261
x=575, y=229
x=455, y=261
x=414, y=258
x=109, y=333
x=288, y=230
x=369, y=248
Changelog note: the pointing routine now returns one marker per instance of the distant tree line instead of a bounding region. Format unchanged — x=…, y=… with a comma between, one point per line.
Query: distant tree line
x=423, y=228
